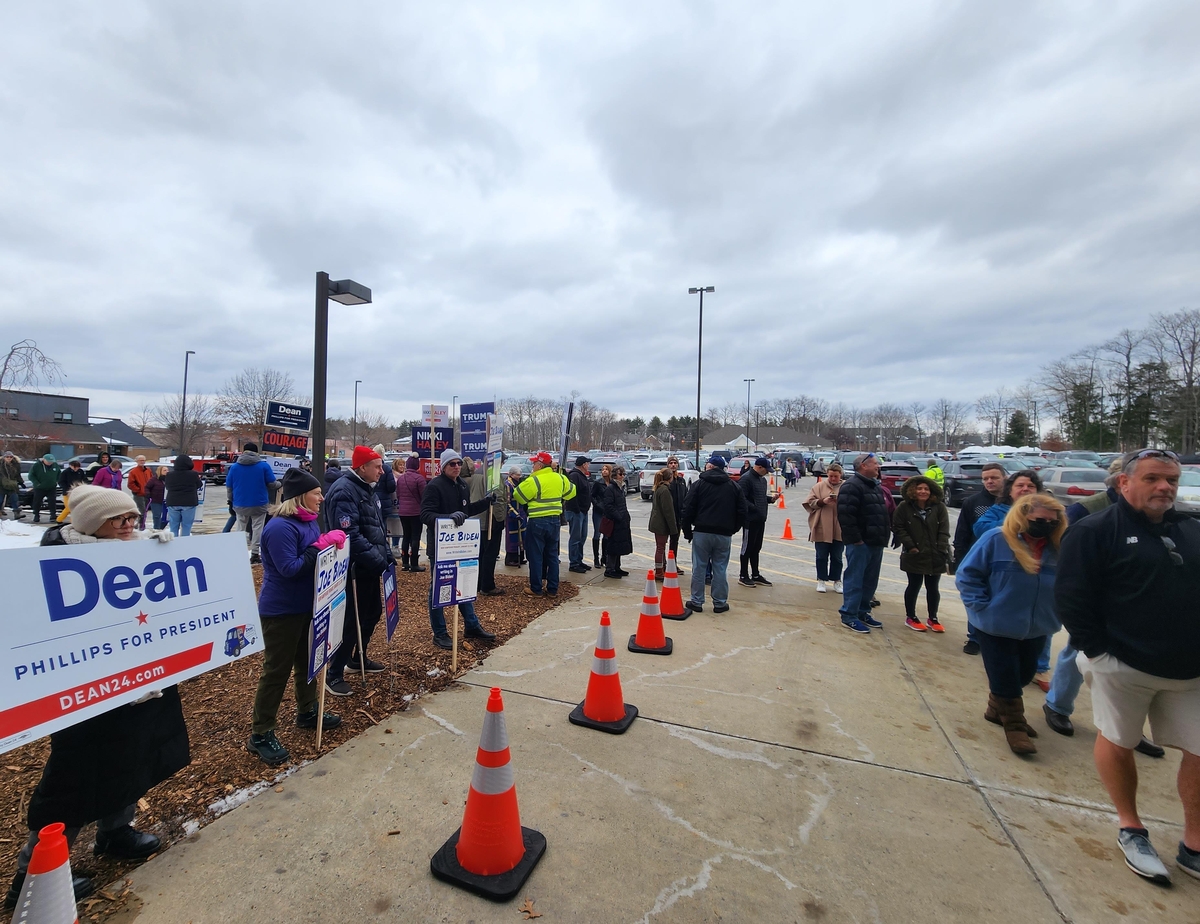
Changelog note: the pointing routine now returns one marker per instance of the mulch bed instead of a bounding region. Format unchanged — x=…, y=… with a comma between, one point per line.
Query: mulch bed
x=217, y=706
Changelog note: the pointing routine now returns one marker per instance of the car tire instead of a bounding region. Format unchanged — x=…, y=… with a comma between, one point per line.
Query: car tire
x=645, y=497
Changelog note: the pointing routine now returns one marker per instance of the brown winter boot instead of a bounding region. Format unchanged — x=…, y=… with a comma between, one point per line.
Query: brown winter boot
x=992, y=714
x=1012, y=716
x=658, y=574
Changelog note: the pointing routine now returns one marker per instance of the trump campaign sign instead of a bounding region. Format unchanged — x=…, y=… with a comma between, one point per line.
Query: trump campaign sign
x=95, y=626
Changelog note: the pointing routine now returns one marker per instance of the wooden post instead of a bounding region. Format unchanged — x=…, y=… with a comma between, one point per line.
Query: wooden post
x=362, y=655
x=454, y=641
x=321, y=702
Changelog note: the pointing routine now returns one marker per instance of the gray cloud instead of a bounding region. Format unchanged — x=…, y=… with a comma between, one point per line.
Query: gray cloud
x=893, y=202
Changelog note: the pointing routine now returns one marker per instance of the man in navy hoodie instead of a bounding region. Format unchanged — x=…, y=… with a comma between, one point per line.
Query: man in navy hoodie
x=246, y=484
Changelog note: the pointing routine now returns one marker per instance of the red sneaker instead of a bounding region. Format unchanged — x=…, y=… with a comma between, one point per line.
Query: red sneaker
x=915, y=624
x=934, y=625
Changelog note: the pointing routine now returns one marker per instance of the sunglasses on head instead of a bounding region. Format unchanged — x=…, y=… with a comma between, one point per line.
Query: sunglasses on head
x=1153, y=454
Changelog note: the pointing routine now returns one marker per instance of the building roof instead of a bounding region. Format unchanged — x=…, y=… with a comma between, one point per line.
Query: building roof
x=766, y=435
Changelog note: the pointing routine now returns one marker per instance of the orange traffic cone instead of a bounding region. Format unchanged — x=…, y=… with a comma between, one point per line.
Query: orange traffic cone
x=650, y=638
x=781, y=505
x=604, y=708
x=491, y=854
x=671, y=605
x=46, y=895
x=787, y=530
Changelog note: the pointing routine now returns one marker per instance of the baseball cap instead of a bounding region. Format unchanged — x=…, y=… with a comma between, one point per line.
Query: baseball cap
x=762, y=460
x=582, y=460
x=544, y=457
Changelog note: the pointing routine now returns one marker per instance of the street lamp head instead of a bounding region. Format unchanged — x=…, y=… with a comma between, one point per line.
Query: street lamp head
x=190, y=353
x=349, y=292
x=694, y=289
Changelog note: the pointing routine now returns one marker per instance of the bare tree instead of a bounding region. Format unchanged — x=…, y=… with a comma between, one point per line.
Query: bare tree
x=25, y=365
x=144, y=417
x=948, y=418
x=916, y=411
x=374, y=428
x=1178, y=337
x=243, y=399
x=202, y=422
x=993, y=410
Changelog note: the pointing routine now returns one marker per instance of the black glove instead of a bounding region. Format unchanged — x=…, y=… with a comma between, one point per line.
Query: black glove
x=491, y=497
x=458, y=517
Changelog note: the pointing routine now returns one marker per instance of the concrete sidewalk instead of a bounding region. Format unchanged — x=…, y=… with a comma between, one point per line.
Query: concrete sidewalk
x=782, y=769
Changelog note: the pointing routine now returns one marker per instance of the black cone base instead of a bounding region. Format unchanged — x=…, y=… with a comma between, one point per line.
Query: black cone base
x=618, y=727
x=686, y=614
x=499, y=888
x=634, y=646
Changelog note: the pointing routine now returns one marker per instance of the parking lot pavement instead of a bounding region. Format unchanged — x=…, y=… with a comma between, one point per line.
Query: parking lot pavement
x=781, y=769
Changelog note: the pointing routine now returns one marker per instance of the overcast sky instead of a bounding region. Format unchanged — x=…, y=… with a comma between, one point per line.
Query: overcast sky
x=894, y=201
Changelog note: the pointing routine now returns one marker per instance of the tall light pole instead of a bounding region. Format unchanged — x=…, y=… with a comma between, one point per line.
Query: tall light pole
x=699, y=356
x=453, y=414
x=354, y=419
x=757, y=408
x=748, y=381
x=347, y=292
x=183, y=403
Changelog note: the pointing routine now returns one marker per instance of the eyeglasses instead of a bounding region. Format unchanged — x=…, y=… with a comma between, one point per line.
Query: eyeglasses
x=1170, y=544
x=452, y=464
x=125, y=519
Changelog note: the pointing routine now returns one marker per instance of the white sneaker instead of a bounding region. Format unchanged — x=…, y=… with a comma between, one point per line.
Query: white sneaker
x=821, y=587
x=837, y=587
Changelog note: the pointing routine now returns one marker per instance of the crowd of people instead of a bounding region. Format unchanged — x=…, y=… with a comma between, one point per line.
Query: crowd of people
x=1120, y=571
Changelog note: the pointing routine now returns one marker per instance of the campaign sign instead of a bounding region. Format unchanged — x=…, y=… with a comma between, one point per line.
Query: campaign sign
x=279, y=466
x=496, y=433
x=455, y=582
x=473, y=421
x=457, y=543
x=201, y=494
x=443, y=438
x=391, y=600
x=329, y=606
x=495, y=471
x=288, y=416
x=88, y=628
x=278, y=441
x=437, y=415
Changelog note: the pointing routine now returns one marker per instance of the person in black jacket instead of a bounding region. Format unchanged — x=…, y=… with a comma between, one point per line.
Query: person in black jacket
x=333, y=471
x=753, y=485
x=712, y=512
x=353, y=506
x=863, y=516
x=993, y=475
x=182, y=495
x=447, y=496
x=576, y=511
x=620, y=541
x=678, y=487
x=599, y=540
x=1128, y=592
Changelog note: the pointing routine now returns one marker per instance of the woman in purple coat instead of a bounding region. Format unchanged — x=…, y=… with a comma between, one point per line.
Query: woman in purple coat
x=410, y=488
x=110, y=476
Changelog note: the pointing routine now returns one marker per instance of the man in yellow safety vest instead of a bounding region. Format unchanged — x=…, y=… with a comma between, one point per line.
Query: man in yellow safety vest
x=542, y=494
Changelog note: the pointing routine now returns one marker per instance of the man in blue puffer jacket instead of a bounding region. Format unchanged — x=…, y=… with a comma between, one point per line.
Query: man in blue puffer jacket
x=246, y=484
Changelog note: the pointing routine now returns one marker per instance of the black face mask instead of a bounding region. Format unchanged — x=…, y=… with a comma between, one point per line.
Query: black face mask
x=1041, y=529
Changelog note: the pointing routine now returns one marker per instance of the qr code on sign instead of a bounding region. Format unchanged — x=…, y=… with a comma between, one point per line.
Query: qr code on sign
x=445, y=594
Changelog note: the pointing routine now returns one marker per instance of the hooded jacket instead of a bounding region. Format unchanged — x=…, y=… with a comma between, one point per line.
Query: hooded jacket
x=410, y=488
x=247, y=479
x=443, y=497
x=183, y=484
x=925, y=540
x=582, y=501
x=44, y=477
x=107, y=478
x=754, y=488
x=289, y=559
x=332, y=474
x=713, y=505
x=71, y=477
x=1000, y=597
x=862, y=511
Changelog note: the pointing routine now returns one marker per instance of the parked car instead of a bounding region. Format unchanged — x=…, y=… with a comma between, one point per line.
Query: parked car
x=965, y=478
x=892, y=475
x=1073, y=484
x=1046, y=465
x=1188, y=499
x=687, y=468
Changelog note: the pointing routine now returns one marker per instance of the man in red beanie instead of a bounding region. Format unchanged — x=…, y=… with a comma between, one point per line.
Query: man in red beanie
x=353, y=506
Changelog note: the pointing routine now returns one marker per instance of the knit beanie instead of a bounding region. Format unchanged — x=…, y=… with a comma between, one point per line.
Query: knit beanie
x=297, y=481
x=412, y=463
x=362, y=455
x=449, y=455
x=91, y=506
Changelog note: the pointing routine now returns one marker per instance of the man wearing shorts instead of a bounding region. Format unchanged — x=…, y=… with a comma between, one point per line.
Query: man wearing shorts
x=1128, y=591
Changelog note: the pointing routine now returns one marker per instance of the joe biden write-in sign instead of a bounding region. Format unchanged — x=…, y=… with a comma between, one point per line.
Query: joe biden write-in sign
x=92, y=627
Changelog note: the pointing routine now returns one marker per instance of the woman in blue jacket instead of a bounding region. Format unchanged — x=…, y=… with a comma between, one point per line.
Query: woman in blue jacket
x=1007, y=585
x=290, y=543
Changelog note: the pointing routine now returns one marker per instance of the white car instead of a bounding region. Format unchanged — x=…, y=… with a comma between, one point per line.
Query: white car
x=687, y=468
x=1070, y=485
x=1188, y=499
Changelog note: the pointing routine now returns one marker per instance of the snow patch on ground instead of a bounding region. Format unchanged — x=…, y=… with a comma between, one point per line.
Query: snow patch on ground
x=15, y=535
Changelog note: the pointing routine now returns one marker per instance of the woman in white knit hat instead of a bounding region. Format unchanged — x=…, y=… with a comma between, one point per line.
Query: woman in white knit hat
x=99, y=768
